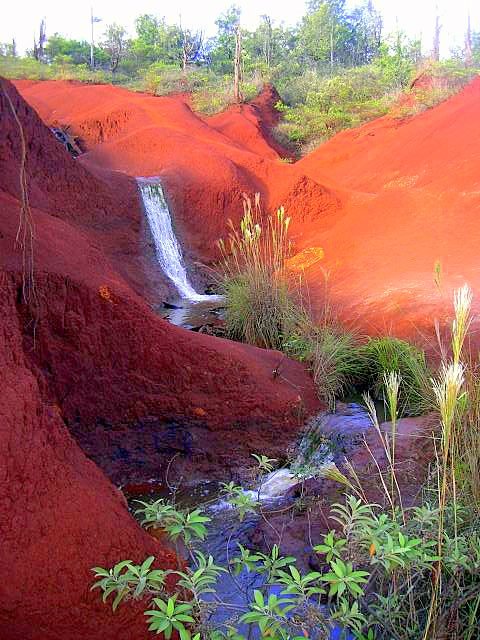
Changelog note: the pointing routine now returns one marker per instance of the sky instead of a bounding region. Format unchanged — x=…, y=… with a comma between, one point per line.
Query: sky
x=21, y=19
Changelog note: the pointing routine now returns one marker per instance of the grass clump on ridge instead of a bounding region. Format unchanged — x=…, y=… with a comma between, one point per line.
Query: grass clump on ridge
x=334, y=359
x=260, y=296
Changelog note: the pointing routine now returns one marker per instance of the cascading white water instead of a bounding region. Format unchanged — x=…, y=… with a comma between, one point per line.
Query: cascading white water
x=167, y=248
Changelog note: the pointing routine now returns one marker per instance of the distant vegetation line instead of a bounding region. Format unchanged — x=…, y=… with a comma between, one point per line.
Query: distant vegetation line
x=335, y=69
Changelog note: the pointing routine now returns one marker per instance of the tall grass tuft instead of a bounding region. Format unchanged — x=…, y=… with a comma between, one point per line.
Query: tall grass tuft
x=261, y=308
x=386, y=354
x=336, y=365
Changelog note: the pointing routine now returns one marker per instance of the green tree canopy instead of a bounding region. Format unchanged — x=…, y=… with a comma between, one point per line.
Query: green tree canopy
x=157, y=41
x=76, y=51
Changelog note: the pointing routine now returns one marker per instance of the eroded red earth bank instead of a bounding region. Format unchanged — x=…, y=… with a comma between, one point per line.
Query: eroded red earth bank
x=89, y=357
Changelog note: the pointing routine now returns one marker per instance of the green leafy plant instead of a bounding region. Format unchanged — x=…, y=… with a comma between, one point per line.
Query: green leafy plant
x=268, y=614
x=331, y=547
x=201, y=578
x=303, y=587
x=265, y=464
x=349, y=615
x=157, y=513
x=187, y=525
x=169, y=616
x=343, y=577
x=271, y=563
x=126, y=579
x=239, y=499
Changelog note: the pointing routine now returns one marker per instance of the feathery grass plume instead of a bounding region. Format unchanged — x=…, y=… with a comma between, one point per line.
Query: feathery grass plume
x=332, y=472
x=372, y=412
x=468, y=454
x=437, y=274
x=391, y=381
x=462, y=302
x=447, y=392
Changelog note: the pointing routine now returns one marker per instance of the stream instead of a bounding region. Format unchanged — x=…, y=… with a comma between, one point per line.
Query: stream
x=323, y=438
x=190, y=310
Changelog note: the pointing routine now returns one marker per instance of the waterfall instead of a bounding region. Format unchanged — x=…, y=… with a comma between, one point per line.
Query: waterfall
x=167, y=247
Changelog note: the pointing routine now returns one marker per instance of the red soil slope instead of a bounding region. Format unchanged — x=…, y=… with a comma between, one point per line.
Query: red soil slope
x=414, y=200
x=87, y=356
x=385, y=201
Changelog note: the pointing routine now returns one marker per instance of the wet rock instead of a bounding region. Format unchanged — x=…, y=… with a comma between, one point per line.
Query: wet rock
x=170, y=305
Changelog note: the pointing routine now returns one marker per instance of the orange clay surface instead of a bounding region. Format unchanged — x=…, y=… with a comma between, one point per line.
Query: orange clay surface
x=385, y=202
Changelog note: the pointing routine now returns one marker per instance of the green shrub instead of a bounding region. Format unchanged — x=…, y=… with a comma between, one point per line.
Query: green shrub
x=336, y=362
x=24, y=68
x=29, y=68
x=216, y=93
x=259, y=310
x=324, y=105
x=442, y=81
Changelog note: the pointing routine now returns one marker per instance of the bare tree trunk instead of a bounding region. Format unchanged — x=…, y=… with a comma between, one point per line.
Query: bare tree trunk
x=436, y=39
x=237, y=65
x=39, y=49
x=184, y=57
x=331, y=44
x=267, y=46
x=42, y=39
x=468, y=45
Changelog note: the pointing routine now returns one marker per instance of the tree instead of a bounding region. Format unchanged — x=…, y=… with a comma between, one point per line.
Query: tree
x=8, y=49
x=267, y=46
x=222, y=47
x=325, y=33
x=468, y=44
x=366, y=27
x=191, y=47
x=476, y=47
x=156, y=41
x=237, y=65
x=115, y=45
x=436, y=39
x=398, y=57
x=266, y=33
x=74, y=51
x=39, y=48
